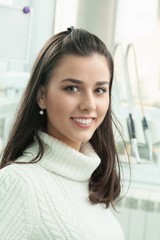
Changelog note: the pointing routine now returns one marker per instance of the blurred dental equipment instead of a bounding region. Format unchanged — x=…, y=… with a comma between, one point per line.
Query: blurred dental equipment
x=130, y=122
x=130, y=53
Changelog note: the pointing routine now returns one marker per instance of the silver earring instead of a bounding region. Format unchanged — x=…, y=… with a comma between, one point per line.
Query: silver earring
x=41, y=112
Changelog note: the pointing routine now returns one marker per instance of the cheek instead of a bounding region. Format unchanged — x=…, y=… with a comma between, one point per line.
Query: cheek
x=103, y=113
x=59, y=105
x=52, y=105
x=103, y=107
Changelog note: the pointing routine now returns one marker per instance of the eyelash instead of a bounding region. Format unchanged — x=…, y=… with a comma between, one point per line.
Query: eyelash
x=103, y=89
x=70, y=89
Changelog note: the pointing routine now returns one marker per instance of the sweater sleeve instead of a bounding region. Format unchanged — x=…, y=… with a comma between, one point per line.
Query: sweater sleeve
x=14, y=210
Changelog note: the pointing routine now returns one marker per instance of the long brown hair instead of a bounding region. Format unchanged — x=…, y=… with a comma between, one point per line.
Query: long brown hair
x=104, y=185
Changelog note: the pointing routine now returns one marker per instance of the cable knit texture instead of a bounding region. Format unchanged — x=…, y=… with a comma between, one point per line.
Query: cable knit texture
x=48, y=200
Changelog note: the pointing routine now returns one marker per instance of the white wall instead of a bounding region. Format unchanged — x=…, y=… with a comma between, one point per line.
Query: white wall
x=95, y=16
x=43, y=21
x=12, y=73
x=98, y=17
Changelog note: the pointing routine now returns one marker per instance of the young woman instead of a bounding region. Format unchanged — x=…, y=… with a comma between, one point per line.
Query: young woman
x=59, y=170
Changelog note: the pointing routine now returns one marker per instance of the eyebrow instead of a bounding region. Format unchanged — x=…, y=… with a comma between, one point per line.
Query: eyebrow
x=76, y=81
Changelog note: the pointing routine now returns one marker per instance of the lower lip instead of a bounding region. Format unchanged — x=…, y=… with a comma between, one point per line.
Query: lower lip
x=83, y=125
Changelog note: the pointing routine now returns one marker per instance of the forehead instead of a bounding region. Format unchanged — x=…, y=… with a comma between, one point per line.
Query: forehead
x=73, y=65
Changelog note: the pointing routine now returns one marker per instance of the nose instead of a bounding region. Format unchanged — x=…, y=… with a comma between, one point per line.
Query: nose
x=88, y=102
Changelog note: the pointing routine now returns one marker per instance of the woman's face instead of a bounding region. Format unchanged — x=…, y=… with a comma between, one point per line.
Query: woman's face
x=76, y=98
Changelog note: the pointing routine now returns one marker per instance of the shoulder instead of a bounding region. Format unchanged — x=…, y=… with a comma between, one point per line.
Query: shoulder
x=31, y=176
x=13, y=205
x=22, y=169
x=9, y=178
x=19, y=182
x=11, y=184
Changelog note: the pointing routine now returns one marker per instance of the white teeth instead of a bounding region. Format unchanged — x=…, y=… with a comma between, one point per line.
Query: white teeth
x=83, y=121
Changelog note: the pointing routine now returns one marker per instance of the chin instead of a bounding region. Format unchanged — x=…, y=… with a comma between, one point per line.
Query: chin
x=86, y=139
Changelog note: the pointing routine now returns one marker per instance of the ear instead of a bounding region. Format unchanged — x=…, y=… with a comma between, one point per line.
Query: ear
x=41, y=97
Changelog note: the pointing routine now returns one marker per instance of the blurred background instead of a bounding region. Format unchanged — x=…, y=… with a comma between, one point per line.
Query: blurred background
x=131, y=30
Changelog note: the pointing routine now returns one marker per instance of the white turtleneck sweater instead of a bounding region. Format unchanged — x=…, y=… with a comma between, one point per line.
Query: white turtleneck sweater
x=49, y=200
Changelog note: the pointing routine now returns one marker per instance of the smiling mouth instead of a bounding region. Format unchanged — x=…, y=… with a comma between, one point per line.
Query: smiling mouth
x=83, y=121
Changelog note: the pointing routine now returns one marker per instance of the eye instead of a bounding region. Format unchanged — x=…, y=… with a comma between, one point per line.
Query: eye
x=100, y=90
x=72, y=89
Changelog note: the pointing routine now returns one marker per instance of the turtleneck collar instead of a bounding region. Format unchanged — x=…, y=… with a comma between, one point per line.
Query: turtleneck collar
x=66, y=161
